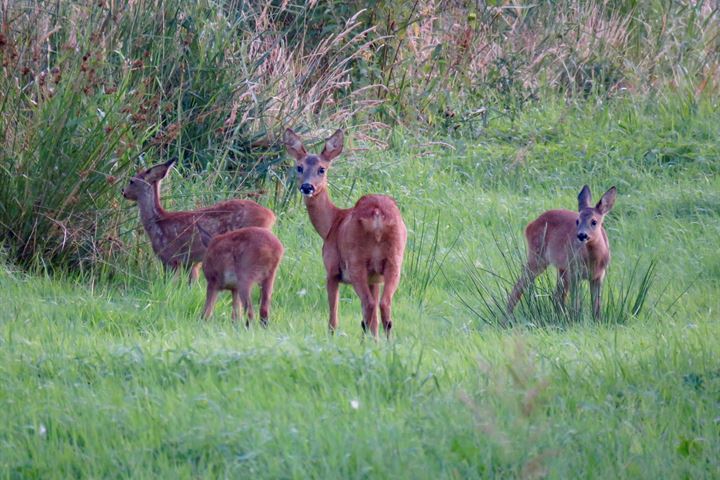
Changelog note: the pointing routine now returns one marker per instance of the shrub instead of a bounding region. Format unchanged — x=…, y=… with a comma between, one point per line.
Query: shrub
x=89, y=87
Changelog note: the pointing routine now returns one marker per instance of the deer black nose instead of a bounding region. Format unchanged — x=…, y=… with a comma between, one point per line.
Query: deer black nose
x=306, y=188
x=582, y=236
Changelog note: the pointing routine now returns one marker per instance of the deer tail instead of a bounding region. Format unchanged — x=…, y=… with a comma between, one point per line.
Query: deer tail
x=376, y=223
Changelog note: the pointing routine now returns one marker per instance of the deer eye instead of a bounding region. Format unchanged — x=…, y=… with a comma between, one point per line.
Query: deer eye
x=594, y=222
x=321, y=171
x=299, y=169
x=132, y=182
x=577, y=222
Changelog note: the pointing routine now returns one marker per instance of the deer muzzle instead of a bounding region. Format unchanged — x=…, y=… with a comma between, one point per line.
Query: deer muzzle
x=307, y=189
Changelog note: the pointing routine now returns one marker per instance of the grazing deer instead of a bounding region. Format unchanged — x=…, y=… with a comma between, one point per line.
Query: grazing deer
x=362, y=245
x=173, y=234
x=236, y=261
x=574, y=242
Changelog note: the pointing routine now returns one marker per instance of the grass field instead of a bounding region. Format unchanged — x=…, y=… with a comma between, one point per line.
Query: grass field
x=119, y=377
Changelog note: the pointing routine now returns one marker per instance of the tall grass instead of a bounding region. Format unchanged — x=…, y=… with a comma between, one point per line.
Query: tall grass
x=87, y=87
x=426, y=256
x=453, y=64
x=485, y=297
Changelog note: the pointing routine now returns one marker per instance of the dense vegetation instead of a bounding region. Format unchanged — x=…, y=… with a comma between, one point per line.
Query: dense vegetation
x=89, y=90
x=475, y=119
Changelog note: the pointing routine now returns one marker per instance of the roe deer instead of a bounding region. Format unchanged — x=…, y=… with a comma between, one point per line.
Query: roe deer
x=235, y=261
x=172, y=234
x=574, y=242
x=362, y=245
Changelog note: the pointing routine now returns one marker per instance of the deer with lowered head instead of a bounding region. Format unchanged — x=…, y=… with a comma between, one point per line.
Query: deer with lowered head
x=173, y=235
x=236, y=261
x=363, y=245
x=574, y=242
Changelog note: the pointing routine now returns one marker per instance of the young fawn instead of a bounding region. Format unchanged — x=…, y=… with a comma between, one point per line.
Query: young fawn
x=236, y=261
x=574, y=242
x=172, y=234
x=362, y=245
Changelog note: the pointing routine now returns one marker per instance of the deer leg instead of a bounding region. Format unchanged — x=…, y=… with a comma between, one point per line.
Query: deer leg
x=534, y=267
x=375, y=291
x=392, y=280
x=333, y=293
x=367, y=300
x=178, y=269
x=576, y=295
x=266, y=289
x=246, y=299
x=173, y=267
x=563, y=287
x=595, y=288
x=195, y=272
x=210, y=299
x=235, y=304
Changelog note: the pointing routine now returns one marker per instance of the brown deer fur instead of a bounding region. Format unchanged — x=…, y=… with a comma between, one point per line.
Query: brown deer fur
x=236, y=261
x=173, y=235
x=574, y=242
x=362, y=245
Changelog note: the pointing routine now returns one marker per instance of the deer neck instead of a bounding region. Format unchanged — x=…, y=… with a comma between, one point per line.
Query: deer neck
x=596, y=251
x=322, y=212
x=150, y=214
x=156, y=197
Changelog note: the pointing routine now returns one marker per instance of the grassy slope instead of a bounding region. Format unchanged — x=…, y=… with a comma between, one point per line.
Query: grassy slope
x=124, y=378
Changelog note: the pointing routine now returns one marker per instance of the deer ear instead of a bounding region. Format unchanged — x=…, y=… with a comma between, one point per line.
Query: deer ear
x=584, y=198
x=333, y=145
x=607, y=201
x=159, y=172
x=294, y=145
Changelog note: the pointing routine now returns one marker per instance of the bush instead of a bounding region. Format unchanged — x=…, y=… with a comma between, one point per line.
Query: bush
x=87, y=88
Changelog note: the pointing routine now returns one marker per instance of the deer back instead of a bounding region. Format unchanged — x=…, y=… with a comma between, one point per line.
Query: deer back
x=371, y=233
x=176, y=241
x=247, y=255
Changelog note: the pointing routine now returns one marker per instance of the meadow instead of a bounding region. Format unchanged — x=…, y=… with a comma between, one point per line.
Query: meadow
x=113, y=374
